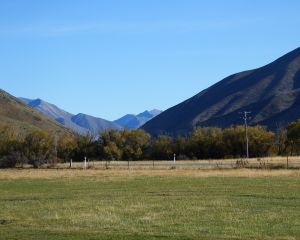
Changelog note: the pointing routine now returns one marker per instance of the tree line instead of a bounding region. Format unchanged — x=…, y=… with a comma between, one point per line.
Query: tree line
x=37, y=147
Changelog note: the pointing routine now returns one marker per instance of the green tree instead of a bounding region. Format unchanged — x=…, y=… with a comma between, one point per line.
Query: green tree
x=112, y=152
x=136, y=143
x=293, y=137
x=182, y=148
x=85, y=146
x=38, y=147
x=11, y=151
x=206, y=143
x=162, y=148
x=234, y=141
x=111, y=145
x=66, y=147
x=261, y=141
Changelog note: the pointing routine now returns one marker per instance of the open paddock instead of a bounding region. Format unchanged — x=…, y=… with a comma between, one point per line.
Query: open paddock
x=149, y=204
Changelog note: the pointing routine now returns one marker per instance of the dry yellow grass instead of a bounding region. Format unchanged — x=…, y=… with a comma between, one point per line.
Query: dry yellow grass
x=270, y=160
x=11, y=174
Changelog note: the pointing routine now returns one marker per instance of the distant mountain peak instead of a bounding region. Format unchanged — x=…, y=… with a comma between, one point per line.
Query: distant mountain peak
x=132, y=121
x=36, y=102
x=145, y=114
x=155, y=112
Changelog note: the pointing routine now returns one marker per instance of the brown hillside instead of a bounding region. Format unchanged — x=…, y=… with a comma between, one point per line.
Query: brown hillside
x=17, y=114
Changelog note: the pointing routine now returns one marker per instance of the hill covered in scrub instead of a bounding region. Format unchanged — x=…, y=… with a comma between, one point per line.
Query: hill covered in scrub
x=271, y=93
x=17, y=114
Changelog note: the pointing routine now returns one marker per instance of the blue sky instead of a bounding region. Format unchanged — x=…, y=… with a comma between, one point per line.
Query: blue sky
x=111, y=57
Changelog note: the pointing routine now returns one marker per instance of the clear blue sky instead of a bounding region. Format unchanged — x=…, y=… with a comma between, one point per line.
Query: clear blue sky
x=111, y=57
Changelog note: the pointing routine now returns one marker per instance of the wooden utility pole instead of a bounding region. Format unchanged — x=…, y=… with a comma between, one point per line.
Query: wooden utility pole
x=245, y=117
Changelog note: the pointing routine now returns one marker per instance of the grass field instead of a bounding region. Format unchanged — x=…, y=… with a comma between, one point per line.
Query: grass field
x=157, y=204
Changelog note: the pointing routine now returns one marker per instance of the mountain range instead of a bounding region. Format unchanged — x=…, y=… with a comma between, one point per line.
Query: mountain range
x=83, y=123
x=271, y=93
x=80, y=123
x=132, y=121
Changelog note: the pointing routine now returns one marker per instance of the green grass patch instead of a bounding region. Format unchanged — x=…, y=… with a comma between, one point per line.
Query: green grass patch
x=150, y=207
